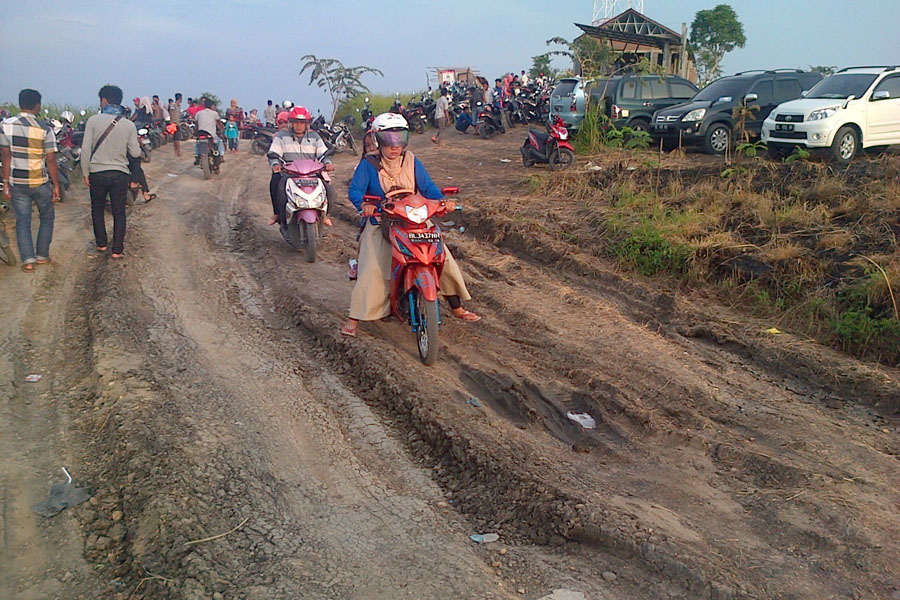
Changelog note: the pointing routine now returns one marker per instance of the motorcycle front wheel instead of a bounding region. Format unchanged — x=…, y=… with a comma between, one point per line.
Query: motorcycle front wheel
x=561, y=158
x=312, y=238
x=259, y=146
x=427, y=334
x=351, y=145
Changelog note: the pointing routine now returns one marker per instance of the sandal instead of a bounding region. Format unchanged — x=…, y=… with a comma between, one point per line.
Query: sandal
x=272, y=220
x=327, y=222
x=42, y=261
x=102, y=248
x=150, y=197
x=465, y=315
x=349, y=330
x=122, y=255
x=29, y=268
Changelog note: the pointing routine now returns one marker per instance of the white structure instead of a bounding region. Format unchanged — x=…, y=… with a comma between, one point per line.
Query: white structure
x=604, y=10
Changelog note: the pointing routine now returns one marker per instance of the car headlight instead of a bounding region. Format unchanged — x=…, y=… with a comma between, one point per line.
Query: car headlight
x=695, y=115
x=822, y=113
x=418, y=214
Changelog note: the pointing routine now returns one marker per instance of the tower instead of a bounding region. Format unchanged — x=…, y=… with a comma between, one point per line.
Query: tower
x=604, y=10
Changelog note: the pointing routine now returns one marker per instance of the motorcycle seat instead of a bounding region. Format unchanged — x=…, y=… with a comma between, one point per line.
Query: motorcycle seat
x=540, y=135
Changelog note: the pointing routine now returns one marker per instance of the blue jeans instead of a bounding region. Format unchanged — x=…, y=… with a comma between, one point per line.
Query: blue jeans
x=22, y=199
x=232, y=143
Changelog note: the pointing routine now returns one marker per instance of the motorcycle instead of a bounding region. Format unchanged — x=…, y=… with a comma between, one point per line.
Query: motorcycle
x=307, y=204
x=366, y=116
x=145, y=143
x=489, y=122
x=209, y=154
x=552, y=147
x=413, y=113
x=336, y=135
x=262, y=138
x=416, y=263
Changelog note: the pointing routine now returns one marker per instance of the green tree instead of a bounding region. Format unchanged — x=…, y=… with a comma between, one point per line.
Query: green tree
x=825, y=71
x=339, y=81
x=714, y=33
x=589, y=58
x=215, y=99
x=541, y=64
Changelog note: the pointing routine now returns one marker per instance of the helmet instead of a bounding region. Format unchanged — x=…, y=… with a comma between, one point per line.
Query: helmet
x=287, y=104
x=391, y=129
x=67, y=115
x=55, y=125
x=282, y=117
x=299, y=113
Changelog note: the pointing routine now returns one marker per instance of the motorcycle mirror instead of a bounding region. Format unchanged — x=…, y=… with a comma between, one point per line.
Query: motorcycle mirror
x=83, y=113
x=367, y=98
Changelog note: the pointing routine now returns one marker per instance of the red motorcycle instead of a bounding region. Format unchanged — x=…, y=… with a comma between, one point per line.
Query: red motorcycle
x=416, y=263
x=552, y=147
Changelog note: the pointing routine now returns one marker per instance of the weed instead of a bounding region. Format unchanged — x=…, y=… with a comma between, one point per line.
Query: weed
x=799, y=153
x=647, y=250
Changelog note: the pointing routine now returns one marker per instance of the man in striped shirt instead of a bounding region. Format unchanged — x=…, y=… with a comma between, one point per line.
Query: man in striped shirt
x=28, y=151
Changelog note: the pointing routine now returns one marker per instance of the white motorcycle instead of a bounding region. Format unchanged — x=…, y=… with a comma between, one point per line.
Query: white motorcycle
x=307, y=203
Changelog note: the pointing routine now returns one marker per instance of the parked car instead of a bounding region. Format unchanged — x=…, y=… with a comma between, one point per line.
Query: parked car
x=707, y=118
x=857, y=107
x=629, y=100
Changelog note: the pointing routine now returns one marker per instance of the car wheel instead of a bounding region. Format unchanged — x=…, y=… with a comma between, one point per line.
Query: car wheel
x=718, y=139
x=845, y=145
x=640, y=125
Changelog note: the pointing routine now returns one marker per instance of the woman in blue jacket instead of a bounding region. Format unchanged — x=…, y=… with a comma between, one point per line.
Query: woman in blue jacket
x=390, y=171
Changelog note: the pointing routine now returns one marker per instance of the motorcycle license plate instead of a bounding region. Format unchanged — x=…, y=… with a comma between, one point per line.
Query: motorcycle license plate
x=307, y=182
x=424, y=237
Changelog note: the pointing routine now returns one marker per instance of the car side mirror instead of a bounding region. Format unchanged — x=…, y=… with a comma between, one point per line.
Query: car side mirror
x=804, y=93
x=751, y=98
x=881, y=95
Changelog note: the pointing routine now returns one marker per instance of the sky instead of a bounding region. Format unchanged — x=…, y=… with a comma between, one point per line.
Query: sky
x=251, y=50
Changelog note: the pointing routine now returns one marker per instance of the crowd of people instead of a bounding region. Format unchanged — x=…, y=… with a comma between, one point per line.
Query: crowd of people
x=111, y=165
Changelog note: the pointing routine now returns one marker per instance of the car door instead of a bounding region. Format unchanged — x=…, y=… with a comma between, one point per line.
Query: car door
x=765, y=100
x=883, y=113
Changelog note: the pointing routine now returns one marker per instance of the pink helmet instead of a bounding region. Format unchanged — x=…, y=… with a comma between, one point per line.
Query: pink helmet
x=282, y=117
x=299, y=113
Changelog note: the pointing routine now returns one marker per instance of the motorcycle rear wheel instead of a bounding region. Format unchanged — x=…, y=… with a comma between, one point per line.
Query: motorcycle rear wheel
x=485, y=130
x=207, y=169
x=7, y=255
x=312, y=239
x=419, y=126
x=427, y=335
x=259, y=146
x=145, y=155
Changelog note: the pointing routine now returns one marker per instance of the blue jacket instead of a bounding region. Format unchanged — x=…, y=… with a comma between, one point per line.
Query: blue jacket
x=365, y=181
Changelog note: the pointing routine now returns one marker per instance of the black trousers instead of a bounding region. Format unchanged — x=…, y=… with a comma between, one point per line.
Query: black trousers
x=112, y=184
x=279, y=197
x=137, y=173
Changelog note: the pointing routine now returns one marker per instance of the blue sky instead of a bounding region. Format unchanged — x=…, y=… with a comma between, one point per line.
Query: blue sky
x=251, y=50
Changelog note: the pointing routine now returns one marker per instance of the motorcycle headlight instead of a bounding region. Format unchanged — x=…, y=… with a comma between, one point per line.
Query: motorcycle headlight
x=695, y=115
x=142, y=131
x=418, y=214
x=822, y=113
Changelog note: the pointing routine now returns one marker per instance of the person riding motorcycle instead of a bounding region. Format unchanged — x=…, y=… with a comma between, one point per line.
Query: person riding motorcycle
x=207, y=120
x=390, y=171
x=298, y=142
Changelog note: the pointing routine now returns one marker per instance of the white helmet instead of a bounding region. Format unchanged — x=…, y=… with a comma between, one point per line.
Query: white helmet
x=55, y=125
x=287, y=104
x=67, y=115
x=391, y=130
x=389, y=120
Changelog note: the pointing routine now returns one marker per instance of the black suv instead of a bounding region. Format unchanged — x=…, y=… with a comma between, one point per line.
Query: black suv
x=707, y=117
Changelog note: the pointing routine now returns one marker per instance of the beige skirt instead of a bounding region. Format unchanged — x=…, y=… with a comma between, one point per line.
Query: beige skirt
x=371, y=296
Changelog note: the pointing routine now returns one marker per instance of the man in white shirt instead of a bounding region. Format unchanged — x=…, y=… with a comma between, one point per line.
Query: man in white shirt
x=524, y=78
x=206, y=121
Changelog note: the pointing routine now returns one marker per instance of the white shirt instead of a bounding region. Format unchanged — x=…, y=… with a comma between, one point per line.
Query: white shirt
x=206, y=121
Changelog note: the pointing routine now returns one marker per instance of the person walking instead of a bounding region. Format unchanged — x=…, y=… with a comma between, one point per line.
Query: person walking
x=28, y=151
x=109, y=140
x=175, y=117
x=441, y=115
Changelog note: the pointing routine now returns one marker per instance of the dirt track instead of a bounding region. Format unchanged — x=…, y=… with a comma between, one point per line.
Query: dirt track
x=202, y=387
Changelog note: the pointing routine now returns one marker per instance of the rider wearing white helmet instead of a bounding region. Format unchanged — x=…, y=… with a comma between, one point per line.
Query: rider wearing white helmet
x=392, y=169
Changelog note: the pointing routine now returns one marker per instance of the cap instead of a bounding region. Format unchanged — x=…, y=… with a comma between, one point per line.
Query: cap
x=136, y=99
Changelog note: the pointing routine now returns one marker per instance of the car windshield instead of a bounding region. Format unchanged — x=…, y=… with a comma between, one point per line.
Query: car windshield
x=565, y=87
x=842, y=86
x=723, y=88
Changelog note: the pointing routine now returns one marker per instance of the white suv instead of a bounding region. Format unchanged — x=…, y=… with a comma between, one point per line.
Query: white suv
x=857, y=107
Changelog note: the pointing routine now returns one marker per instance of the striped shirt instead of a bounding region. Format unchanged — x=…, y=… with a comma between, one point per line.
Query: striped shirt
x=288, y=147
x=29, y=143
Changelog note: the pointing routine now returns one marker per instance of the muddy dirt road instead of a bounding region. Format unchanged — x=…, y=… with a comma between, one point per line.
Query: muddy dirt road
x=241, y=448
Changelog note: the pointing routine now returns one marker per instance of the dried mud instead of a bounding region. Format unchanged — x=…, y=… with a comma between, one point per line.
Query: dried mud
x=214, y=398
